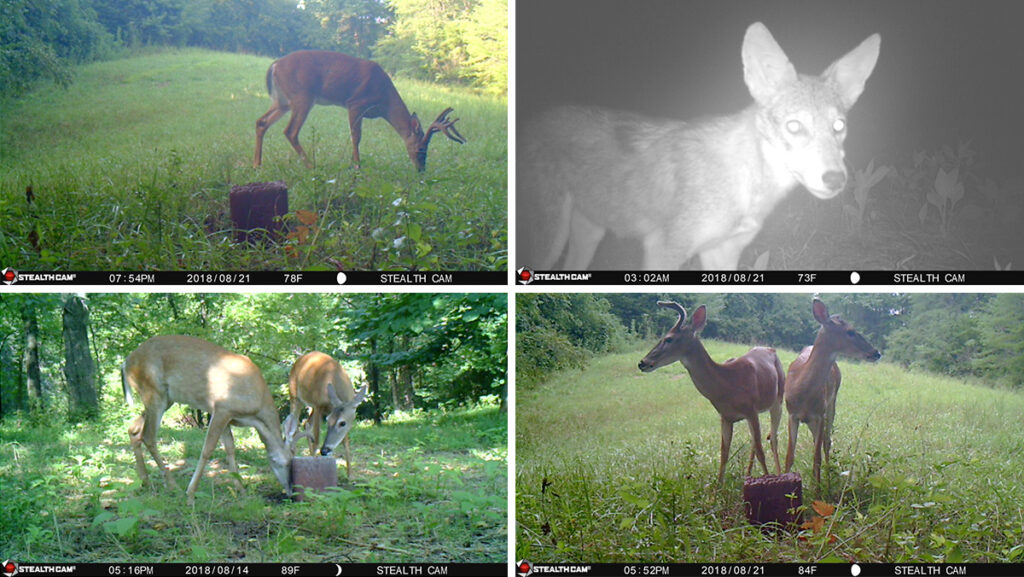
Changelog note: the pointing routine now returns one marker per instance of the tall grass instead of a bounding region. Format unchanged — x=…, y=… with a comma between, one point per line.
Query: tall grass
x=131, y=169
x=613, y=465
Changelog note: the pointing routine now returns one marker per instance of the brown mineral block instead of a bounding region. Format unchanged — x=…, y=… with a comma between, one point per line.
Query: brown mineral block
x=313, y=473
x=766, y=501
x=254, y=206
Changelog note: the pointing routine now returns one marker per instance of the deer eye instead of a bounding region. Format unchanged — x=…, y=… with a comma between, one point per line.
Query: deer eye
x=668, y=340
x=851, y=333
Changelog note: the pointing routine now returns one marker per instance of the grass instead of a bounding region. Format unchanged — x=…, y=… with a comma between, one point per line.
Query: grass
x=425, y=487
x=131, y=169
x=616, y=466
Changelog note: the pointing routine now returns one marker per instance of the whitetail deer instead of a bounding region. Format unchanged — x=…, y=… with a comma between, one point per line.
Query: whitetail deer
x=179, y=369
x=301, y=79
x=738, y=388
x=813, y=382
x=319, y=382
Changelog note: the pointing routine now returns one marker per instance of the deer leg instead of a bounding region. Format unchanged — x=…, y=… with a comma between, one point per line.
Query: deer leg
x=218, y=423
x=794, y=429
x=755, y=435
x=266, y=121
x=300, y=110
x=355, y=126
x=584, y=236
x=315, y=418
x=726, y=442
x=228, y=440
x=776, y=414
x=135, y=437
x=150, y=428
x=818, y=430
x=348, y=459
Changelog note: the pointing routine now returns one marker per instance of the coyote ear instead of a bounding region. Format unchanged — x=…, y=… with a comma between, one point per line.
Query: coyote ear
x=848, y=74
x=766, y=68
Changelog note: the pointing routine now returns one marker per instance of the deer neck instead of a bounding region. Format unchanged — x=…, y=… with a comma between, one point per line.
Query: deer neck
x=821, y=359
x=398, y=115
x=704, y=371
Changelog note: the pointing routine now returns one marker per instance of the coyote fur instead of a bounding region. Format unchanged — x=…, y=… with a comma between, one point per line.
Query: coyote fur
x=686, y=189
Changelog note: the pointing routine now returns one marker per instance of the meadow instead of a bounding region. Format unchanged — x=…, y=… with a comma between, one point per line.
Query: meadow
x=426, y=486
x=130, y=169
x=617, y=466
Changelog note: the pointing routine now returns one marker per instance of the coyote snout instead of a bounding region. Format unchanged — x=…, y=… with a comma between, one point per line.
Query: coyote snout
x=687, y=189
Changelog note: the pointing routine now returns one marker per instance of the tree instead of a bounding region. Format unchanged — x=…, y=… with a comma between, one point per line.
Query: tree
x=78, y=365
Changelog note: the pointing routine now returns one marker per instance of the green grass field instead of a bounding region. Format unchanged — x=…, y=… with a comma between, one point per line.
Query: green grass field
x=430, y=487
x=131, y=169
x=615, y=466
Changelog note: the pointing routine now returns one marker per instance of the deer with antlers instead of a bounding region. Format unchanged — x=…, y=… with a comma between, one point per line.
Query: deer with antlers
x=812, y=383
x=180, y=369
x=301, y=79
x=739, y=389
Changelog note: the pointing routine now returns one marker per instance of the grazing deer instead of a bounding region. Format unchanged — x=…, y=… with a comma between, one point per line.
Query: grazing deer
x=179, y=369
x=813, y=382
x=319, y=382
x=738, y=388
x=686, y=189
x=301, y=79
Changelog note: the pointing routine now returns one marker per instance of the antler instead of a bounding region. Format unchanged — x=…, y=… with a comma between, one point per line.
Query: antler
x=676, y=307
x=442, y=124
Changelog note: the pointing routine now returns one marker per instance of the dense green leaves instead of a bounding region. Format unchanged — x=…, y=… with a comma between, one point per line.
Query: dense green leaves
x=451, y=347
x=979, y=335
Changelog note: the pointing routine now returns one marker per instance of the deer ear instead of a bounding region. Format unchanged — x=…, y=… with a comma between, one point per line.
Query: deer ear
x=415, y=123
x=820, y=312
x=700, y=318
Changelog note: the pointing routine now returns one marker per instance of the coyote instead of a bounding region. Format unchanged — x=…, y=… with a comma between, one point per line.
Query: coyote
x=685, y=189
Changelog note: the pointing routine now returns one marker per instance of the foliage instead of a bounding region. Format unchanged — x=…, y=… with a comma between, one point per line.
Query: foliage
x=976, y=335
x=149, y=190
x=555, y=331
x=449, y=40
x=458, y=343
x=43, y=39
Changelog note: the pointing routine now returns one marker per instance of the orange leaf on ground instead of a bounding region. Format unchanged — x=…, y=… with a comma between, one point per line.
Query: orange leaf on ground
x=822, y=508
x=306, y=217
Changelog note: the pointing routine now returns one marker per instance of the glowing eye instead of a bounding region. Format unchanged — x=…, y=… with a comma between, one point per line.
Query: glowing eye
x=839, y=125
x=794, y=126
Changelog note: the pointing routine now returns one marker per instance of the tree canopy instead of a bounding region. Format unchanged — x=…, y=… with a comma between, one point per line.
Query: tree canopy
x=463, y=41
x=417, y=351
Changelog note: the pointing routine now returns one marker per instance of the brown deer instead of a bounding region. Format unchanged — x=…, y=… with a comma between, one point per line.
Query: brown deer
x=319, y=382
x=738, y=388
x=301, y=79
x=812, y=383
x=179, y=369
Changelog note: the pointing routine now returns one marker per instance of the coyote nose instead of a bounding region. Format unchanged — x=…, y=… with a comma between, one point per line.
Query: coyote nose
x=834, y=180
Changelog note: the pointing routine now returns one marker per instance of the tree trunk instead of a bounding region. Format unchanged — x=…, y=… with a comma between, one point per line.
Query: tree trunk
x=30, y=358
x=374, y=374
x=10, y=380
x=78, y=363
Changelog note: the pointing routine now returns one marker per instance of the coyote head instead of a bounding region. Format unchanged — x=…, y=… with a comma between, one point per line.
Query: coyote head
x=803, y=118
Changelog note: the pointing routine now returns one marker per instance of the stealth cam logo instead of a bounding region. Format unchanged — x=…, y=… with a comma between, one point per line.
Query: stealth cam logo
x=10, y=277
x=524, y=568
x=10, y=567
x=524, y=275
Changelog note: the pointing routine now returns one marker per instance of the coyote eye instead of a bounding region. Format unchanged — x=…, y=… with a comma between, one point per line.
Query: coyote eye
x=794, y=127
x=839, y=125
